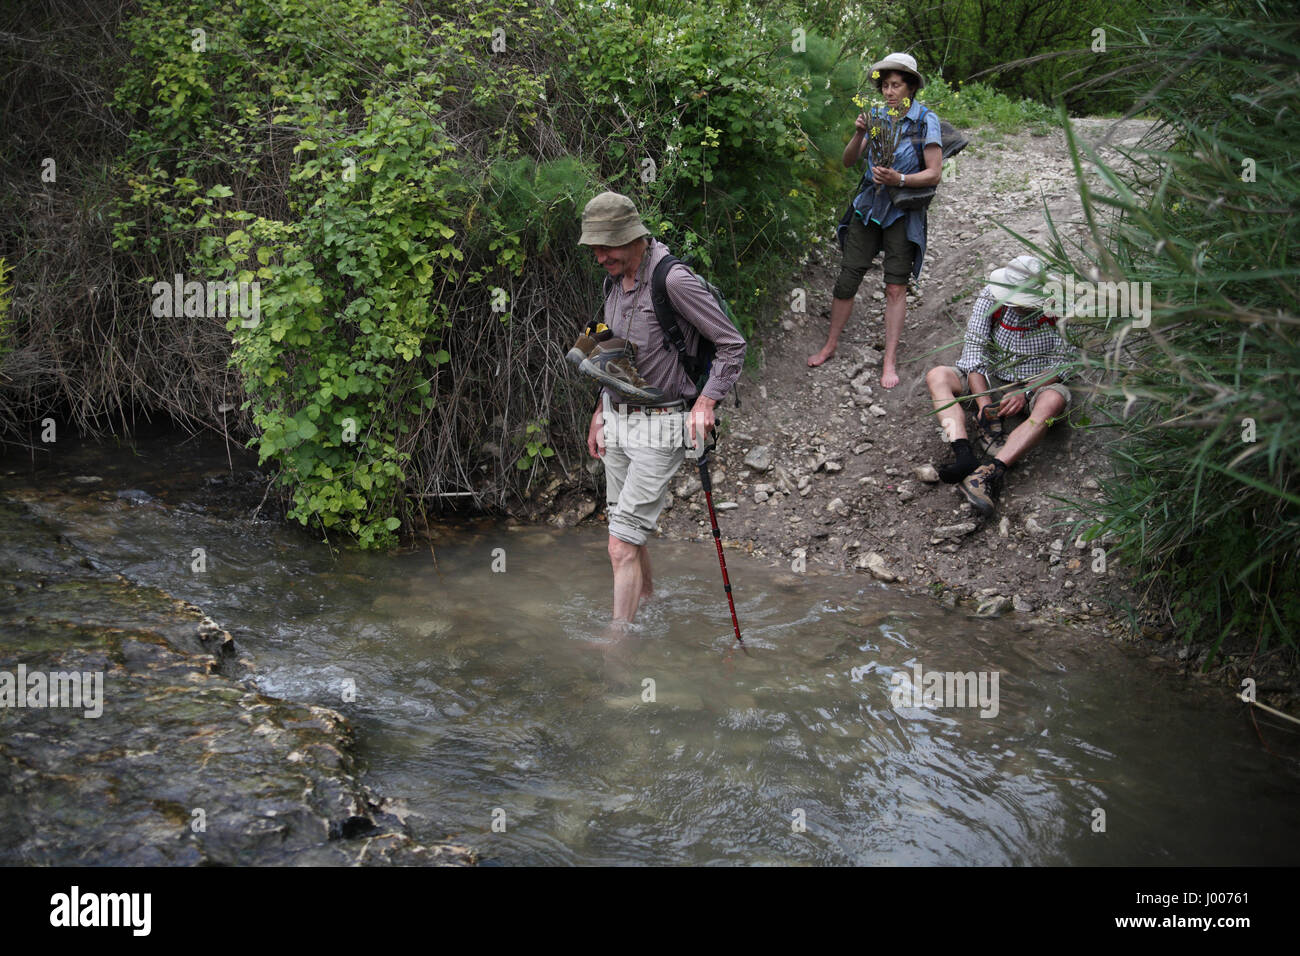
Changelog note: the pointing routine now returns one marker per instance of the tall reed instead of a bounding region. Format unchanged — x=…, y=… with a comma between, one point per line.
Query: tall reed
x=1204, y=502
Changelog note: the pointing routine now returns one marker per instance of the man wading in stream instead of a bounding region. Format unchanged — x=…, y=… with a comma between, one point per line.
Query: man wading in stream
x=643, y=444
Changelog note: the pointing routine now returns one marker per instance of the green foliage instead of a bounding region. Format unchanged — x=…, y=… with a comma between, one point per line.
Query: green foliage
x=379, y=214
x=979, y=104
x=966, y=38
x=535, y=447
x=704, y=111
x=1205, y=505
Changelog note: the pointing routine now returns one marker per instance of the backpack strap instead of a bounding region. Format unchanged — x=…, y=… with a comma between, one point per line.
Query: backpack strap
x=664, y=311
x=1043, y=319
x=917, y=135
x=695, y=366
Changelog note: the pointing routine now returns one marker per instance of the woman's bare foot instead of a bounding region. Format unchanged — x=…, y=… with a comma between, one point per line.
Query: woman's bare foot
x=823, y=356
x=888, y=377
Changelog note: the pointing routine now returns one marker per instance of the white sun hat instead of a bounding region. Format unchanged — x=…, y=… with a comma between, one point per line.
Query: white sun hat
x=900, y=61
x=1021, y=282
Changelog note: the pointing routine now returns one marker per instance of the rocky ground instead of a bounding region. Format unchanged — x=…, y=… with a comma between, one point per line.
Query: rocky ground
x=825, y=465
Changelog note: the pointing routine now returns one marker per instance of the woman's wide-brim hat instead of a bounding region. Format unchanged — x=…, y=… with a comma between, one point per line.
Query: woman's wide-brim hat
x=1021, y=282
x=900, y=61
x=611, y=219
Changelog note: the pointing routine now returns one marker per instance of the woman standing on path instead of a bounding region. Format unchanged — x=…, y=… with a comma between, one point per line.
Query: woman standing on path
x=876, y=223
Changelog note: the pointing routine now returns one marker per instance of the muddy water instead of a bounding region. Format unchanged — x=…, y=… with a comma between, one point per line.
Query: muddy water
x=498, y=707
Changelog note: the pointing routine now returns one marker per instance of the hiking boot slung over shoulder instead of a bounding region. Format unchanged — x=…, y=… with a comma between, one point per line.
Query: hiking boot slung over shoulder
x=982, y=488
x=592, y=335
x=613, y=363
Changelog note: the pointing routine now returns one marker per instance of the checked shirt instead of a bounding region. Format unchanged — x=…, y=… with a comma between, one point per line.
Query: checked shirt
x=1024, y=343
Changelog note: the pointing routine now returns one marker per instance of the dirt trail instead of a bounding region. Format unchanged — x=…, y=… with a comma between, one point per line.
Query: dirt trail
x=831, y=480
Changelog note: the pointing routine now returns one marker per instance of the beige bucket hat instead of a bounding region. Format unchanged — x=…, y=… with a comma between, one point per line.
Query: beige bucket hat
x=611, y=219
x=900, y=61
x=1021, y=282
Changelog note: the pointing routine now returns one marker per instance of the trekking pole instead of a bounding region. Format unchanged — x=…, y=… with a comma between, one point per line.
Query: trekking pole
x=707, y=484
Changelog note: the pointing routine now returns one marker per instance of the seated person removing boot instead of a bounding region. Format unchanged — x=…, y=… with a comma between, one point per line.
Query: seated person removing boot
x=1014, y=354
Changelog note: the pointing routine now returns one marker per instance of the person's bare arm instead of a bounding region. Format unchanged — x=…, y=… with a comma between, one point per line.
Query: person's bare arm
x=858, y=144
x=596, y=434
x=1016, y=401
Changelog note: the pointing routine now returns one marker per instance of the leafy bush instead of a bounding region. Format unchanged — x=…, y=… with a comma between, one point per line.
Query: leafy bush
x=717, y=156
x=979, y=104
x=404, y=185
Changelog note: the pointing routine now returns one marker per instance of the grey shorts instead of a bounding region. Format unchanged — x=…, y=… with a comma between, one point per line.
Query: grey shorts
x=1003, y=385
x=643, y=451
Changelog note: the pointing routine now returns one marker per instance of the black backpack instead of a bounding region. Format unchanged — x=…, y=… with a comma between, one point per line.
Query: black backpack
x=906, y=197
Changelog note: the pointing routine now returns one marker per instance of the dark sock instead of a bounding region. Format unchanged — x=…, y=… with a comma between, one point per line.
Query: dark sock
x=964, y=464
x=999, y=466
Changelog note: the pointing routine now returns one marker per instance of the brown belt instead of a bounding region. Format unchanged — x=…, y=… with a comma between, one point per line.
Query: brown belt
x=677, y=406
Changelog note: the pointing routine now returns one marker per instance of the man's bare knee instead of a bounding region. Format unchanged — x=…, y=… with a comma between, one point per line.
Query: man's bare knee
x=895, y=292
x=1049, y=404
x=620, y=552
x=942, y=382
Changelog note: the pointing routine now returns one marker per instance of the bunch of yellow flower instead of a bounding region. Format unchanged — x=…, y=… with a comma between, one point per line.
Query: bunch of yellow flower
x=886, y=128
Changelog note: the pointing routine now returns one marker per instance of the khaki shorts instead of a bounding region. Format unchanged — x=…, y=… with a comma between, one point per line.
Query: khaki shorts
x=1001, y=385
x=643, y=451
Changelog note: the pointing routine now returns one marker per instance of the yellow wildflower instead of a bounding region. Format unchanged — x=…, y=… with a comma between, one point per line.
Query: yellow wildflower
x=875, y=74
x=906, y=101
x=893, y=112
x=875, y=131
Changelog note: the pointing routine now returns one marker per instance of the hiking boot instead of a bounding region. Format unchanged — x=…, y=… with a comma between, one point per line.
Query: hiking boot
x=991, y=430
x=982, y=488
x=592, y=335
x=613, y=363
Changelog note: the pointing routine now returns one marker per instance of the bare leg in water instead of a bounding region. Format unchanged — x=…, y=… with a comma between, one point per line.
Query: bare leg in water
x=632, y=578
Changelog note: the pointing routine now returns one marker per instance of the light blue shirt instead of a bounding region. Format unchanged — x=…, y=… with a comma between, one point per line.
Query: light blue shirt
x=879, y=209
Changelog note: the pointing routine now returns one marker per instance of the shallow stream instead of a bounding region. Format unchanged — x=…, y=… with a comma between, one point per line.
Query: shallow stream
x=499, y=708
